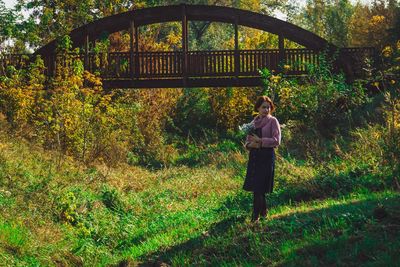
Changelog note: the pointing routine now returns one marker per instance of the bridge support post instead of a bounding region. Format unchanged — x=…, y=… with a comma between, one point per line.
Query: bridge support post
x=281, y=49
x=137, y=62
x=87, y=52
x=132, y=45
x=237, y=58
x=184, y=45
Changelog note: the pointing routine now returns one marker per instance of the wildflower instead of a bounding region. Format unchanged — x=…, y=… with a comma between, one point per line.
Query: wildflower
x=376, y=84
x=286, y=67
x=387, y=51
x=275, y=78
x=392, y=81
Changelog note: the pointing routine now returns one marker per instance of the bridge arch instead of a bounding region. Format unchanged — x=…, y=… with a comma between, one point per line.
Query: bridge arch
x=146, y=16
x=131, y=20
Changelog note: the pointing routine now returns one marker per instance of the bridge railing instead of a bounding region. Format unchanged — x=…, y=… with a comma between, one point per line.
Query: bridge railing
x=171, y=64
x=358, y=57
x=17, y=61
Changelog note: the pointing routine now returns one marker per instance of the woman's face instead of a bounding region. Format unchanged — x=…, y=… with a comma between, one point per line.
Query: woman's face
x=264, y=109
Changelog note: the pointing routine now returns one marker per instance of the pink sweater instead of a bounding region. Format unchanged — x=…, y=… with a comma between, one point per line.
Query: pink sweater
x=270, y=130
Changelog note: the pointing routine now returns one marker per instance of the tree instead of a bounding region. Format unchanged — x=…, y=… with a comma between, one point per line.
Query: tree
x=338, y=16
x=8, y=20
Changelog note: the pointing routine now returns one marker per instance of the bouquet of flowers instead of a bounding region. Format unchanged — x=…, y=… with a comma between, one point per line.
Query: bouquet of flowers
x=247, y=128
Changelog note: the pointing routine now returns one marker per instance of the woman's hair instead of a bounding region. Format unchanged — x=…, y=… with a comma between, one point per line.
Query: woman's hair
x=262, y=99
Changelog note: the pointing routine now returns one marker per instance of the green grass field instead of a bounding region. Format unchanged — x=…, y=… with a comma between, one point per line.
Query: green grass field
x=68, y=215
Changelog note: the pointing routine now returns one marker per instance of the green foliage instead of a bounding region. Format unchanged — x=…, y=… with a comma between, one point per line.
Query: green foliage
x=68, y=206
x=337, y=22
x=7, y=24
x=324, y=104
x=112, y=200
x=389, y=77
x=346, y=24
x=13, y=237
x=193, y=114
x=197, y=156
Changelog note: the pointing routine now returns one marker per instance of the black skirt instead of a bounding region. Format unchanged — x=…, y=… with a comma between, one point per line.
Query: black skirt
x=260, y=170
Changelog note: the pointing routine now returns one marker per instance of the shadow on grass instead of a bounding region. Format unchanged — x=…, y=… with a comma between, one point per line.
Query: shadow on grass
x=339, y=234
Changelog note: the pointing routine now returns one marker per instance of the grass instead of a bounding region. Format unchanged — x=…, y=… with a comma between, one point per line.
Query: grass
x=342, y=213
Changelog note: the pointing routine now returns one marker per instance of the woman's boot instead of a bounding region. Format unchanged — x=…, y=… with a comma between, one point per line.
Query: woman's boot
x=257, y=205
x=263, y=211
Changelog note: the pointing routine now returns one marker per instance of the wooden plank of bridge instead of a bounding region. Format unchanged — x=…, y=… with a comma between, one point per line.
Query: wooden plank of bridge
x=131, y=51
x=86, y=51
x=281, y=41
x=184, y=44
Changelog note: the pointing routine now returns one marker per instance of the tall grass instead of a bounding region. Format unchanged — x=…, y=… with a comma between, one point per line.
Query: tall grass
x=196, y=214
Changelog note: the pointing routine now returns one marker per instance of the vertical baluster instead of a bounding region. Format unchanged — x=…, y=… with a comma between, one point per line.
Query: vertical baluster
x=201, y=63
x=307, y=59
x=205, y=62
x=144, y=63
x=164, y=63
x=168, y=63
x=236, y=53
x=131, y=50
x=254, y=57
x=157, y=63
x=253, y=61
x=244, y=61
x=148, y=64
x=248, y=61
x=86, y=63
x=270, y=59
x=217, y=62
x=179, y=62
x=172, y=62
x=209, y=62
x=241, y=61
x=257, y=61
x=198, y=64
x=212, y=69
x=167, y=72
x=184, y=44
x=198, y=60
x=160, y=63
x=295, y=59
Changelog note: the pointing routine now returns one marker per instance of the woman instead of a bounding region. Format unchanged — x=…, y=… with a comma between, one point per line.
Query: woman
x=261, y=164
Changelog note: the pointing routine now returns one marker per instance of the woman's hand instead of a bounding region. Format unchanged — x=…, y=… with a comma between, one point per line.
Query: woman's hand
x=255, y=138
x=254, y=145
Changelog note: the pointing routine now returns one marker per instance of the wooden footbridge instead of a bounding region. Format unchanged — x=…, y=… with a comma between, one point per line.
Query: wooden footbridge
x=184, y=68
